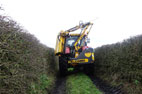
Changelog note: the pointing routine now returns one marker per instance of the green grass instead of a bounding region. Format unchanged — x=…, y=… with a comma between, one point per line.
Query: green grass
x=81, y=84
x=70, y=69
x=41, y=87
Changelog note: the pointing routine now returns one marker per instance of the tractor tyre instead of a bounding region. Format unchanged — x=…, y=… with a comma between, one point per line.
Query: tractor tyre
x=62, y=67
x=89, y=69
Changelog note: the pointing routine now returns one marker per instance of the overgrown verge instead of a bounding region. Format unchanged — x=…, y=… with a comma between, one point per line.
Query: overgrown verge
x=80, y=84
x=121, y=63
x=26, y=65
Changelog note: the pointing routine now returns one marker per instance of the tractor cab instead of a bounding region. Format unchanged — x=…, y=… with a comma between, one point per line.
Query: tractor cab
x=69, y=45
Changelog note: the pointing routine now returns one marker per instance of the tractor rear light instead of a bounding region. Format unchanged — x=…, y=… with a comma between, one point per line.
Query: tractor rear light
x=84, y=47
x=67, y=51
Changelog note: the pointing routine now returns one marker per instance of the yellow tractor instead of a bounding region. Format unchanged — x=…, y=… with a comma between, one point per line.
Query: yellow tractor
x=72, y=49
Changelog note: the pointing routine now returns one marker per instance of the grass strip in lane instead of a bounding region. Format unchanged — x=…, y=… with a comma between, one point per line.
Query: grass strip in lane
x=80, y=84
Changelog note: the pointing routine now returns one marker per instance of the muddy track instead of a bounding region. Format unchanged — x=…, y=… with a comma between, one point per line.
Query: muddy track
x=106, y=88
x=60, y=86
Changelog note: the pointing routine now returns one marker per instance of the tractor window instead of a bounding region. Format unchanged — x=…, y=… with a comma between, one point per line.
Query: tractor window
x=83, y=42
x=71, y=40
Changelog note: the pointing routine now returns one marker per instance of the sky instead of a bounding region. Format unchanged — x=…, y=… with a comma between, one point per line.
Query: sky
x=114, y=20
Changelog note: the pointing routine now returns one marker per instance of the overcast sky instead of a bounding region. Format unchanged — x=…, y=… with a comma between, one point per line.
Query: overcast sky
x=114, y=20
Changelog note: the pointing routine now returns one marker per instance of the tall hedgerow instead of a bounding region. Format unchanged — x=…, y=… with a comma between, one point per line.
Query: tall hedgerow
x=24, y=61
x=121, y=63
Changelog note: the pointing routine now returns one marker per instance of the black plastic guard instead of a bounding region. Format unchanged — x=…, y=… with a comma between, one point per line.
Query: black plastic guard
x=82, y=55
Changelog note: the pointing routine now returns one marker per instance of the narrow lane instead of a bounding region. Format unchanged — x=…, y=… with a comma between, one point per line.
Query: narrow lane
x=60, y=86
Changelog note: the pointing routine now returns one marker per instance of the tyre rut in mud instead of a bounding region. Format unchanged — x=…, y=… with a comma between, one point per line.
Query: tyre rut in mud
x=60, y=86
x=105, y=87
